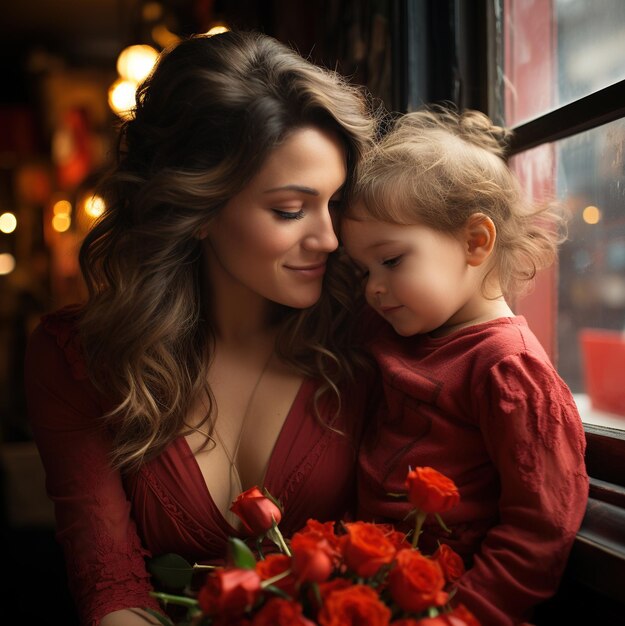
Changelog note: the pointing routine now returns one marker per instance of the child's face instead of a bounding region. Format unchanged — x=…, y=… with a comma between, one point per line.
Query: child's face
x=415, y=277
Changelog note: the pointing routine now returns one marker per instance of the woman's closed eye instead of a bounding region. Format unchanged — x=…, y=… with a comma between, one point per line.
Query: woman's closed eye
x=289, y=215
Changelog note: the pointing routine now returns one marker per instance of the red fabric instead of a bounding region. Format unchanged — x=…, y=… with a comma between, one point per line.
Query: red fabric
x=108, y=524
x=485, y=407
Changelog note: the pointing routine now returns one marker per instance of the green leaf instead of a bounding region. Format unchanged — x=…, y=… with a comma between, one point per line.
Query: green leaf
x=240, y=555
x=439, y=519
x=171, y=570
x=178, y=600
x=278, y=592
x=276, y=536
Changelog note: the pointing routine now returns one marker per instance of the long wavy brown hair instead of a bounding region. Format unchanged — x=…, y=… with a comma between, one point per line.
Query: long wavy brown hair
x=438, y=166
x=205, y=121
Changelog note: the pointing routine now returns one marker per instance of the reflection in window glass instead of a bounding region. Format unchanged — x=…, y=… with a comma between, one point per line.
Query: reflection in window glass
x=591, y=180
x=586, y=172
x=557, y=51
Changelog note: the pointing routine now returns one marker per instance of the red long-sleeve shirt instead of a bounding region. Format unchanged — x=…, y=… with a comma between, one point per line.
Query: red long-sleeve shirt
x=485, y=407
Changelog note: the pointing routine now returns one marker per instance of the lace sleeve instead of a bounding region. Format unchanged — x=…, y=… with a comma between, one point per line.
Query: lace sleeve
x=103, y=553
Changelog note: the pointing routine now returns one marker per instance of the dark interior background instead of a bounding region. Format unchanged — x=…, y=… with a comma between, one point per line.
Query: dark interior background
x=57, y=61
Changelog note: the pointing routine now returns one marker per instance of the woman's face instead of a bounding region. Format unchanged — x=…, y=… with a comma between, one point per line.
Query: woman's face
x=273, y=238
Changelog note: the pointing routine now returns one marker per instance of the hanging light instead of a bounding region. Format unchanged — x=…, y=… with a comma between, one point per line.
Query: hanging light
x=591, y=215
x=7, y=263
x=122, y=96
x=61, y=222
x=94, y=206
x=136, y=62
x=8, y=223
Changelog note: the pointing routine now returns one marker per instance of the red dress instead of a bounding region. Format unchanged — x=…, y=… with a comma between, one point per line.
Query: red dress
x=485, y=407
x=107, y=523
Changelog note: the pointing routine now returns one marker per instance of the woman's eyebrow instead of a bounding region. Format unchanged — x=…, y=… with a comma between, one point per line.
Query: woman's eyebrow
x=308, y=190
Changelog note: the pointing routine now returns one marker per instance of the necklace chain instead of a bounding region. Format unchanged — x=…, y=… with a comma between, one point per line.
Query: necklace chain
x=233, y=470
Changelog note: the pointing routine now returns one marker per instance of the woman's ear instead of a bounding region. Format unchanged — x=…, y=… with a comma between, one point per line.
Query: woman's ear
x=479, y=236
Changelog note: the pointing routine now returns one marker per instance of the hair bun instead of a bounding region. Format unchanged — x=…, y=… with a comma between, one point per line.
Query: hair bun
x=476, y=127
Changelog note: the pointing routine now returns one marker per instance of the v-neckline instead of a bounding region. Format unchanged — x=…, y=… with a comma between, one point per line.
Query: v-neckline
x=197, y=471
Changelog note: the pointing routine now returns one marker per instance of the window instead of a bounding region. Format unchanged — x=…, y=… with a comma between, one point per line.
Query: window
x=562, y=67
x=559, y=81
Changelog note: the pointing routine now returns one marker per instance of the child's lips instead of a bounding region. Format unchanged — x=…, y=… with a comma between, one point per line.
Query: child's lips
x=387, y=310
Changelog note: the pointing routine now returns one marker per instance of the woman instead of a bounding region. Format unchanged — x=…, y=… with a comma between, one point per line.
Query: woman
x=211, y=354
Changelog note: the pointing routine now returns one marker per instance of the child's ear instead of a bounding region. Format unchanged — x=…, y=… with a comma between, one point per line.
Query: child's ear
x=479, y=235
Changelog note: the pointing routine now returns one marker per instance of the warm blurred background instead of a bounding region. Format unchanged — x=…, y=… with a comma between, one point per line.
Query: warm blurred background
x=59, y=63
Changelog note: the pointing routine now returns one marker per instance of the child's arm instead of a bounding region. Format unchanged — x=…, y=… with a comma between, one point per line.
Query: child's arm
x=534, y=436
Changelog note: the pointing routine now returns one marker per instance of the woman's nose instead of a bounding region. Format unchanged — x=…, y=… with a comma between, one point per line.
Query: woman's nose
x=322, y=236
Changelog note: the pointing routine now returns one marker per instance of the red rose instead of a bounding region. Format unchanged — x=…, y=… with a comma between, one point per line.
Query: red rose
x=325, y=589
x=450, y=561
x=396, y=537
x=461, y=616
x=325, y=531
x=336, y=584
x=353, y=606
x=406, y=621
x=416, y=582
x=229, y=591
x=430, y=491
x=257, y=512
x=366, y=548
x=274, y=564
x=312, y=559
x=280, y=612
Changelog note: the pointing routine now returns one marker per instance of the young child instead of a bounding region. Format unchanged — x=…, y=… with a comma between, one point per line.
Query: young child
x=442, y=236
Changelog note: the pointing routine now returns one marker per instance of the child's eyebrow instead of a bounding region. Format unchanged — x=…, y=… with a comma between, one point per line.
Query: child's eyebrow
x=379, y=244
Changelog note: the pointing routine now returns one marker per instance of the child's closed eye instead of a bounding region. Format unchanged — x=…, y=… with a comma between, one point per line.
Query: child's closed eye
x=392, y=262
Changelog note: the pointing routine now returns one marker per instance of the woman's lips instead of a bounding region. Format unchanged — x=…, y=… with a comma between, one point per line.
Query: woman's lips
x=308, y=271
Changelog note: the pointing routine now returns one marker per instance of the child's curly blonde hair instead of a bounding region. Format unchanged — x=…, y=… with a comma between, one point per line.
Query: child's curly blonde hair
x=437, y=167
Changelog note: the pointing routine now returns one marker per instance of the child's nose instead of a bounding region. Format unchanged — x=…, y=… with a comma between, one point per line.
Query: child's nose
x=374, y=289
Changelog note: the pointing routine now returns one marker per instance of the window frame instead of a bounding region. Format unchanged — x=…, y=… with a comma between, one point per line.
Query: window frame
x=605, y=446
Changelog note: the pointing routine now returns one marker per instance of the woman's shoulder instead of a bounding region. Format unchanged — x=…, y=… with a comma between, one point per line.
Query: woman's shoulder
x=58, y=332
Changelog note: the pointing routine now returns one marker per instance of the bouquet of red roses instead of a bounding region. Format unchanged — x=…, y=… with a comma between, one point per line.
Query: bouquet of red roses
x=327, y=574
